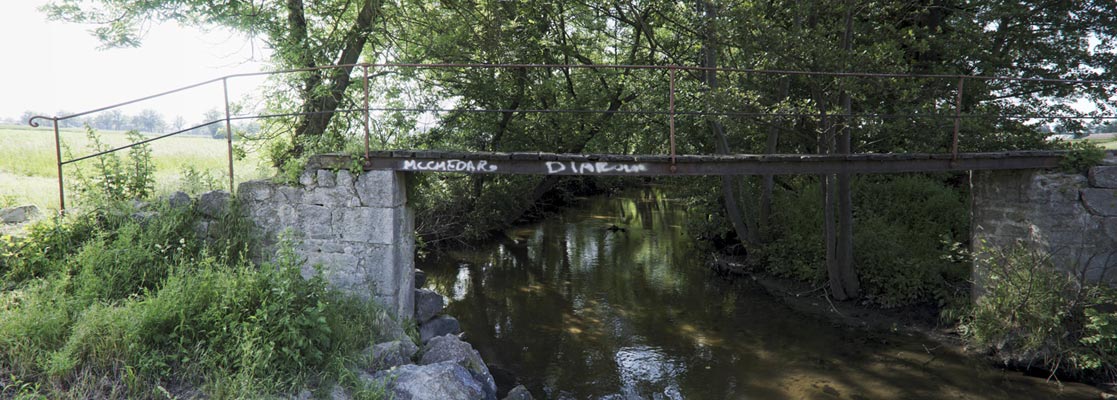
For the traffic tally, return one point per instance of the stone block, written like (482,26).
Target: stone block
(306,178)
(337,196)
(255,190)
(315,222)
(380,188)
(345,179)
(326,179)
(366,224)
(1103,177)
(1102,202)
(213,204)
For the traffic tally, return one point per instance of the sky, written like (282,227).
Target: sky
(50,66)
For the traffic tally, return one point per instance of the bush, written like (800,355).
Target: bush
(905,231)
(1033,314)
(1081,155)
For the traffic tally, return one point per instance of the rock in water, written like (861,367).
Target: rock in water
(450,348)
(428,304)
(518,393)
(442,381)
(440,325)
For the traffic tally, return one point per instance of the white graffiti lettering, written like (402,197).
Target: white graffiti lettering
(600,167)
(449,166)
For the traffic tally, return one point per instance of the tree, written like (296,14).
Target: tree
(321,33)
(149,121)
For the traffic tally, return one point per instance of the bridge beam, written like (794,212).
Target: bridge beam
(690,165)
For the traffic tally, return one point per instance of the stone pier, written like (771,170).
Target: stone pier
(1071,216)
(357,228)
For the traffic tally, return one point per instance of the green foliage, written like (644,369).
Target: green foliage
(904,234)
(1033,313)
(195,181)
(1080,156)
(114,179)
(141,302)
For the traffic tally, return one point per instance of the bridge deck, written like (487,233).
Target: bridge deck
(659,165)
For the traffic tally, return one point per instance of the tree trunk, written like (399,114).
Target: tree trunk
(709,77)
(767,183)
(847,273)
(319,108)
(829,231)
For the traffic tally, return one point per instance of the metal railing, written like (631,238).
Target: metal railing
(671,113)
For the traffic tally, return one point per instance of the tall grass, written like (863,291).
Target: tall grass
(112,301)
(28,173)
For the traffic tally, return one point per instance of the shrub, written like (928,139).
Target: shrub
(1080,156)
(905,228)
(1033,314)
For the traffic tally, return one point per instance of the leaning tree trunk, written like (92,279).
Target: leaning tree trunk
(319,106)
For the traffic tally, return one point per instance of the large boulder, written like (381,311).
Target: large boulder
(18,215)
(440,325)
(428,304)
(442,381)
(392,354)
(450,348)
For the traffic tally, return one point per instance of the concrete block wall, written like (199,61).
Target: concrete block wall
(358,228)
(1072,216)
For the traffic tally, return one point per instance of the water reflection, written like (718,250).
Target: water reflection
(577,310)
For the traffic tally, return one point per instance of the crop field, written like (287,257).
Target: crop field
(28,174)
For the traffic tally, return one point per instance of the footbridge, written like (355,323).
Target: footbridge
(358,224)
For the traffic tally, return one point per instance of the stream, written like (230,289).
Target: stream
(576,310)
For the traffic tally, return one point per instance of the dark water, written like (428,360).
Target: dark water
(577,311)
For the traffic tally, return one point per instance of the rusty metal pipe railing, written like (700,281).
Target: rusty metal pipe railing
(671,113)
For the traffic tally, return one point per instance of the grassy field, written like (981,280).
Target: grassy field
(1107,141)
(28,174)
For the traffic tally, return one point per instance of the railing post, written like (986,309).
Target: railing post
(671,113)
(957,120)
(58,161)
(228,133)
(365,68)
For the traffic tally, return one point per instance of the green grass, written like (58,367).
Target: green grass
(28,170)
(1108,143)
(101,305)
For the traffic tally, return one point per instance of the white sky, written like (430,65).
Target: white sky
(54,66)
